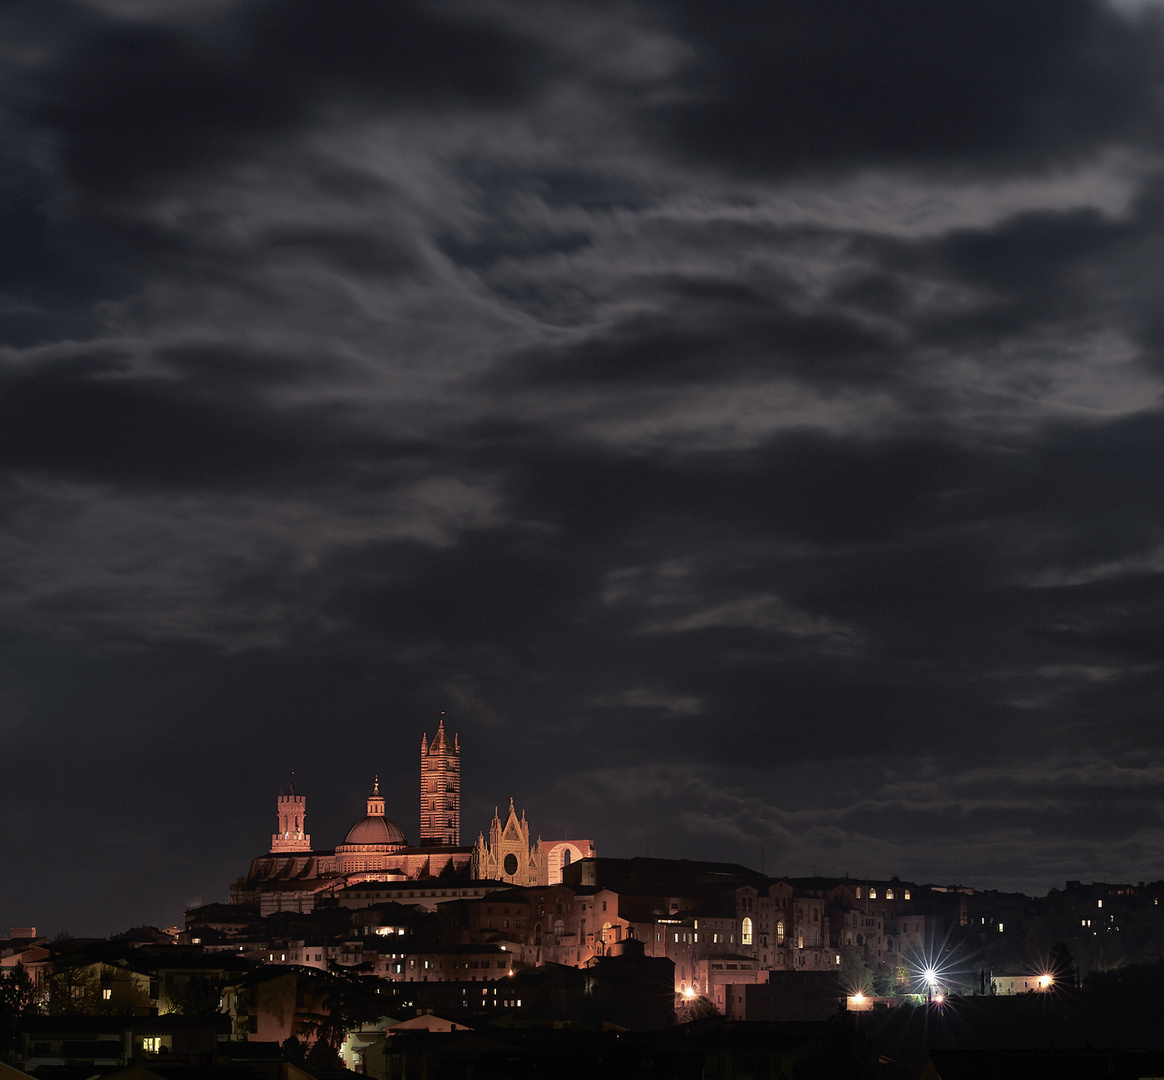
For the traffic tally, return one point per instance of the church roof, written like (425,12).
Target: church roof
(375,829)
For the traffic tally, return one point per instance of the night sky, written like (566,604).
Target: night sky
(742,421)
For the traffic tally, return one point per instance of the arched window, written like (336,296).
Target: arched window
(780,933)
(746,932)
(858,892)
(888,894)
(566,855)
(872,894)
(907,894)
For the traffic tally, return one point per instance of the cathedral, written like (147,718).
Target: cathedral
(292,875)
(509,855)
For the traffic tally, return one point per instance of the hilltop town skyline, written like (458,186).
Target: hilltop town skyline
(90,914)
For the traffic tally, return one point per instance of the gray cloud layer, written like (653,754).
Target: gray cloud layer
(745,425)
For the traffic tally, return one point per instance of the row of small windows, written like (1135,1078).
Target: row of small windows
(888,893)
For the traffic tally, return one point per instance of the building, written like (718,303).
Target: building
(511,856)
(440,790)
(508,855)
(292,876)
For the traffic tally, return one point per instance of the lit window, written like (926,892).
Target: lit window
(106,993)
(780,933)
(746,932)
(1100,903)
(888,894)
(872,894)
(907,894)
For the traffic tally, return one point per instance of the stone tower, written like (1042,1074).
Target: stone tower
(292,810)
(440,790)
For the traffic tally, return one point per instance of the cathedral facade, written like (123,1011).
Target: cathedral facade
(510,855)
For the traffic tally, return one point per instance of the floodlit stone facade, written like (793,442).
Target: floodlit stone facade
(292,877)
(440,790)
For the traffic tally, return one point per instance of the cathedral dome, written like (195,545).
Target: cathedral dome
(375,829)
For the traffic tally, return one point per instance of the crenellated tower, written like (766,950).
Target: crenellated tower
(440,790)
(292,835)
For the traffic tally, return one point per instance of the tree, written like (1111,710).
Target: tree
(73,986)
(321,1057)
(293,1050)
(1062,965)
(843,1053)
(198,997)
(17,1000)
(855,975)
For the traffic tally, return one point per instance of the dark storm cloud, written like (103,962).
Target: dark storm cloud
(134,103)
(366,361)
(96,419)
(707,332)
(782,87)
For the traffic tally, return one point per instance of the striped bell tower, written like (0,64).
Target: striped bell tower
(440,790)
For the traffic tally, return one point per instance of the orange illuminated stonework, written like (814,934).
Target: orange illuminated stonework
(440,789)
(292,812)
(509,854)
(292,876)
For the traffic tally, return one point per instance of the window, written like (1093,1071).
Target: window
(872,894)
(907,894)
(152,1044)
(746,932)
(888,894)
(780,933)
